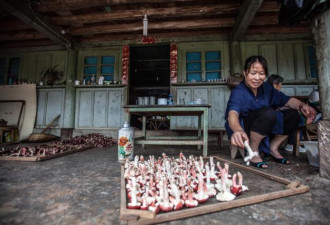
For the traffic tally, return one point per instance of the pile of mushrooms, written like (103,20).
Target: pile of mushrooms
(79,142)
(166,184)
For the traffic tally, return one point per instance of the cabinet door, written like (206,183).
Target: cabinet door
(203,94)
(304,91)
(178,122)
(41,108)
(55,103)
(115,111)
(50,104)
(290,91)
(218,102)
(100,106)
(84,114)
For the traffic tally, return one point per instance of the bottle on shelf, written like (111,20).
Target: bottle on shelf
(170,99)
(93,79)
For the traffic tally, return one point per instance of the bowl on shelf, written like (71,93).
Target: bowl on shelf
(107,82)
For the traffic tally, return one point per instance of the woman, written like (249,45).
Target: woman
(251,113)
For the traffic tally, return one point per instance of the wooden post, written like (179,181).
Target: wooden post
(320,29)
(70,92)
(235,57)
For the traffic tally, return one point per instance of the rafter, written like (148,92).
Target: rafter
(246,14)
(131,27)
(28,16)
(158,13)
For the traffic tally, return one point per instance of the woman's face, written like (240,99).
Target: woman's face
(255,77)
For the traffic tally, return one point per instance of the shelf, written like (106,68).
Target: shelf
(151,88)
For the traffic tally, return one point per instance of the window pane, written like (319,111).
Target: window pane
(194,76)
(193,56)
(312,62)
(90,70)
(313,73)
(108,78)
(90,60)
(311,51)
(214,75)
(107,69)
(212,55)
(108,59)
(13,66)
(212,66)
(194,66)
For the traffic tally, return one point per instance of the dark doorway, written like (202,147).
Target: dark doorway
(149,74)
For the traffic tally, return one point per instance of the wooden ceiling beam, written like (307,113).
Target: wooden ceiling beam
(119,37)
(19,9)
(51,5)
(218,9)
(132,27)
(246,14)
(16,36)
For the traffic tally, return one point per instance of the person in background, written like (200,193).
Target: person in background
(314,101)
(277,81)
(251,113)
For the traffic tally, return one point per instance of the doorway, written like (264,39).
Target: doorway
(149,74)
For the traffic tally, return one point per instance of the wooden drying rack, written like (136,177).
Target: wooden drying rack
(132,216)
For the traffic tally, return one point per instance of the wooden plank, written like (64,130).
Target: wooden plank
(119,15)
(130,214)
(19,10)
(42,158)
(292,188)
(170,142)
(129,27)
(11,158)
(200,210)
(258,172)
(246,14)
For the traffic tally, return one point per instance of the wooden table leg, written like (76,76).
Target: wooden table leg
(205,131)
(144,125)
(199,130)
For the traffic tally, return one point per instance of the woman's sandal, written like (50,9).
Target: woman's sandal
(278,160)
(259,164)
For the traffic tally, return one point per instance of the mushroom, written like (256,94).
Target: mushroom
(190,202)
(235,189)
(133,204)
(201,196)
(224,195)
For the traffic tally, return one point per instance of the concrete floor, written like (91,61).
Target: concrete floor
(84,188)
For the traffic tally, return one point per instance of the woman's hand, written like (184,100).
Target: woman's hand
(309,112)
(238,138)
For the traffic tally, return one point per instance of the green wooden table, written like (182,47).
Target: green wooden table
(202,111)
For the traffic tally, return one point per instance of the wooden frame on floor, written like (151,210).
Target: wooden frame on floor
(131,216)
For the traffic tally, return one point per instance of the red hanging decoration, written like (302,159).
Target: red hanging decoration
(174,63)
(125,64)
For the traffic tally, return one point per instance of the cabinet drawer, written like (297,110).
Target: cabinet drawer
(304,91)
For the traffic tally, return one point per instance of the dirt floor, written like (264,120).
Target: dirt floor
(84,188)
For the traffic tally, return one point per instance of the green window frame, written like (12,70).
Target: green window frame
(9,70)
(203,65)
(99,65)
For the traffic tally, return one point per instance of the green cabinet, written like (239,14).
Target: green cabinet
(215,95)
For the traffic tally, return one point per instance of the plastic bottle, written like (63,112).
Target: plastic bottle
(93,79)
(170,99)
